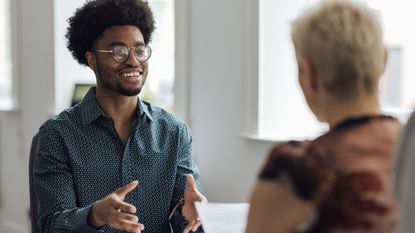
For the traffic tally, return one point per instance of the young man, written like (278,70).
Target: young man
(341,181)
(114,162)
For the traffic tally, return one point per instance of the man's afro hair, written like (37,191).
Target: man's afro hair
(89,21)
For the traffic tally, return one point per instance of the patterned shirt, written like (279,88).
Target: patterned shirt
(345,173)
(81,159)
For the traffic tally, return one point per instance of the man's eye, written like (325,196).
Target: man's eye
(120,53)
(119,50)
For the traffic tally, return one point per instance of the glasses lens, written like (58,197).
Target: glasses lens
(120,53)
(142,53)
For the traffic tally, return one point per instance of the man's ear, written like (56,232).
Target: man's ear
(90,58)
(309,73)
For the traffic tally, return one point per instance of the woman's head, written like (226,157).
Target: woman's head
(343,44)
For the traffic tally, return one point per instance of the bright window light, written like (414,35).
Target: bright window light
(283,113)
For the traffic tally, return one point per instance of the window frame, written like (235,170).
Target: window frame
(252,101)
(14,51)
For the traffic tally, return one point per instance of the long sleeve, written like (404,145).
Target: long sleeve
(81,159)
(185,166)
(58,210)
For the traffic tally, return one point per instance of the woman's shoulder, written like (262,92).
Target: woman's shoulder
(283,157)
(307,168)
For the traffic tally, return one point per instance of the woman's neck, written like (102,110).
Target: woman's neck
(336,113)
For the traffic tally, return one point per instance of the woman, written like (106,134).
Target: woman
(341,181)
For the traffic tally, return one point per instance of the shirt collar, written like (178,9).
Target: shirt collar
(91,111)
(144,108)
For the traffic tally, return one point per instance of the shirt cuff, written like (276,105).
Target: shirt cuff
(76,220)
(177,207)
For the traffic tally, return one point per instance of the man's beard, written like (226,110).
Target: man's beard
(123,91)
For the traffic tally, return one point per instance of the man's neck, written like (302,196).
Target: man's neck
(122,109)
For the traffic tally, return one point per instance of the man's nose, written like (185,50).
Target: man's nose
(131,59)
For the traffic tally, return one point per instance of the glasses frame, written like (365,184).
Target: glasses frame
(129,52)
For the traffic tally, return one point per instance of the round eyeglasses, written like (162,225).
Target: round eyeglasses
(120,53)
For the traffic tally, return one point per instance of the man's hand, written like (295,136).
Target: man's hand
(191,195)
(114,212)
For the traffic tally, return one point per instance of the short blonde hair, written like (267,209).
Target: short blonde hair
(344,42)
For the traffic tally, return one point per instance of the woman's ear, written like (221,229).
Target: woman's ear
(309,74)
(90,58)
(385,60)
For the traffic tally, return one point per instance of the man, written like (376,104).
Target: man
(341,181)
(113,162)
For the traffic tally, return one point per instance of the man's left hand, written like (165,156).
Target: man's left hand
(191,195)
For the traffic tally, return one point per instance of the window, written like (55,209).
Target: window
(159,85)
(159,88)
(283,113)
(6,76)
(397,95)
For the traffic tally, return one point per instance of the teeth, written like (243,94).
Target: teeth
(131,74)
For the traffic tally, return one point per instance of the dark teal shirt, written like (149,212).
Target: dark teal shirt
(81,159)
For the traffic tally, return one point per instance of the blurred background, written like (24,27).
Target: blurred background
(227,68)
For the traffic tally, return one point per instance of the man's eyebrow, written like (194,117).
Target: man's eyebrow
(117,43)
(139,43)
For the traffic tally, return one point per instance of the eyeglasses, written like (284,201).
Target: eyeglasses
(120,53)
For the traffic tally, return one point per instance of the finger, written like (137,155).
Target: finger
(125,217)
(191,182)
(187,229)
(141,227)
(129,217)
(129,226)
(202,198)
(196,196)
(124,190)
(191,186)
(125,207)
(196,225)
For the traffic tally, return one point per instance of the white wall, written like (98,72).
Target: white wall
(34,72)
(218,72)
(220,32)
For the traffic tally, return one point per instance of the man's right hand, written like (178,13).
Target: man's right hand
(114,212)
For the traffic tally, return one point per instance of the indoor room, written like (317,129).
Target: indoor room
(226,68)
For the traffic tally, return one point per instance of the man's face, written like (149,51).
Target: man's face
(124,78)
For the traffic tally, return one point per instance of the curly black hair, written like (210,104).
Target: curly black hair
(90,21)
